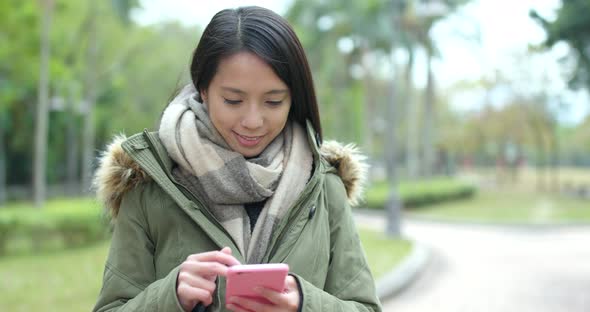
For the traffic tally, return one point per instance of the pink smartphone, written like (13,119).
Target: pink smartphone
(241,279)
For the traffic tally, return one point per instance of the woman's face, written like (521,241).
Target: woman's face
(247,103)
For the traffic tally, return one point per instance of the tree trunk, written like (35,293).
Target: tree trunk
(428,133)
(412,142)
(90,88)
(555,160)
(41,124)
(394,202)
(2,167)
(369,105)
(72,149)
(541,161)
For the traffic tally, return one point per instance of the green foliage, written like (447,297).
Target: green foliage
(65,223)
(572,25)
(137,70)
(419,193)
(320,27)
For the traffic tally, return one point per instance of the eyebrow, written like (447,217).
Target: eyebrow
(274,91)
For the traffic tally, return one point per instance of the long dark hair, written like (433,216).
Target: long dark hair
(270,37)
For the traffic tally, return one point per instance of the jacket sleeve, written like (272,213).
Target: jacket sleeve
(349,282)
(129,282)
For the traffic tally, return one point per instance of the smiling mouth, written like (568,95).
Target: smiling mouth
(248,141)
(250,138)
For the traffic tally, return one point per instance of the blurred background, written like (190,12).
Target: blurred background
(473,111)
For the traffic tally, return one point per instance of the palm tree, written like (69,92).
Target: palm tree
(418,20)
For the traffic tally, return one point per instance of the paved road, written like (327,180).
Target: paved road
(480,269)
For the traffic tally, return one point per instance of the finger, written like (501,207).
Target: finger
(271,295)
(215,256)
(186,291)
(236,308)
(208,270)
(196,281)
(291,283)
(246,304)
(287,299)
(226,250)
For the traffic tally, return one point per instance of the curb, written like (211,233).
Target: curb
(516,226)
(405,273)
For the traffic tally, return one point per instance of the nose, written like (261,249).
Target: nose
(253,117)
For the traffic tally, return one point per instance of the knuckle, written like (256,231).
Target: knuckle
(209,286)
(183,275)
(213,268)
(183,289)
(185,266)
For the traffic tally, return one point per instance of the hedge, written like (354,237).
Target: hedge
(419,193)
(63,223)
(72,222)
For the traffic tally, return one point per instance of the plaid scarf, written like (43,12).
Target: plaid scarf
(225,180)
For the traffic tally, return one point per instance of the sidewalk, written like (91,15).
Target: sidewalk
(407,271)
(476,268)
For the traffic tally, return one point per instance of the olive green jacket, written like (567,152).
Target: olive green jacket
(158,223)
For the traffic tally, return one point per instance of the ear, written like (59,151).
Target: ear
(204,97)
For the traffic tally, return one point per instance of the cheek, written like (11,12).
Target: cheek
(282,116)
(220,117)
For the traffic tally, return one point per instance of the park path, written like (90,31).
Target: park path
(475,268)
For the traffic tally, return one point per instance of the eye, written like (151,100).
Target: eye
(274,103)
(231,102)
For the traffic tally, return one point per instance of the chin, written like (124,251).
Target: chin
(248,154)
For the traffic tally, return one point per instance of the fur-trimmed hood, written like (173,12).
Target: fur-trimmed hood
(118,173)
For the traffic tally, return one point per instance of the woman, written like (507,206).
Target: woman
(236,173)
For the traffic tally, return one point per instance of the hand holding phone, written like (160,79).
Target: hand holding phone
(196,278)
(242,279)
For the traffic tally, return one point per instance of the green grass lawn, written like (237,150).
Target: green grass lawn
(509,206)
(383,253)
(70,280)
(61,281)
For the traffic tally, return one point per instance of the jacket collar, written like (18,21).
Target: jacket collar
(129,162)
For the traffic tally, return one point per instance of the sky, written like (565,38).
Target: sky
(197,12)
(503,27)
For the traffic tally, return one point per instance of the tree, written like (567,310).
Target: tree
(138,69)
(418,20)
(41,125)
(572,26)
(90,87)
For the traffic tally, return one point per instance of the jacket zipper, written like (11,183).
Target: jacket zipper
(304,198)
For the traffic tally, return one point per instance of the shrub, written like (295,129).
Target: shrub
(62,223)
(419,193)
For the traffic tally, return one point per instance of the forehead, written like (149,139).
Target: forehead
(247,72)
